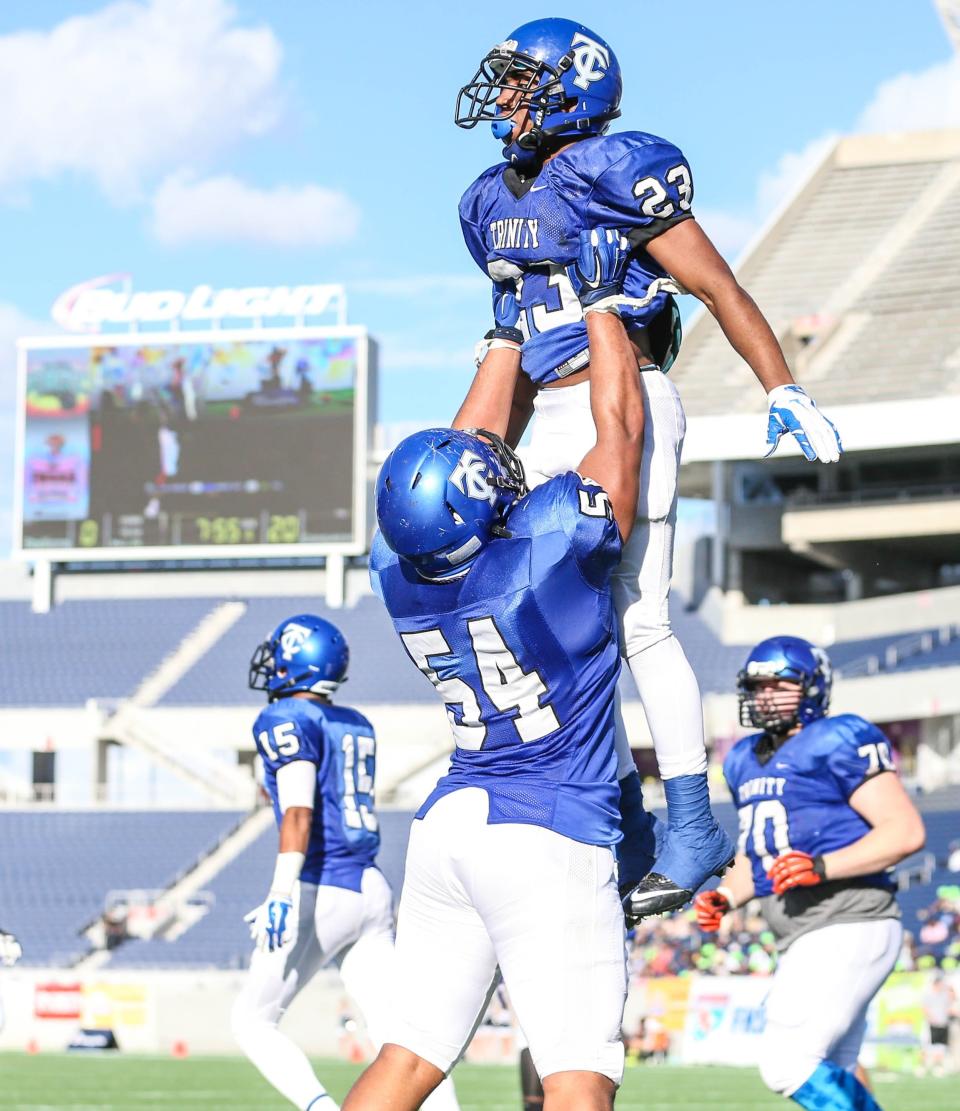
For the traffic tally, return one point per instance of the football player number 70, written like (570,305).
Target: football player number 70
(504,682)
(756,820)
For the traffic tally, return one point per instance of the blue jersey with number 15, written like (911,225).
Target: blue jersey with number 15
(341,743)
(523,650)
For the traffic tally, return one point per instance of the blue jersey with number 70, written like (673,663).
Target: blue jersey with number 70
(797,797)
(341,743)
(523,650)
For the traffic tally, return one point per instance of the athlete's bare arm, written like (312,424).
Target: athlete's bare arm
(616,401)
(295,829)
(897,830)
(686,253)
(489,402)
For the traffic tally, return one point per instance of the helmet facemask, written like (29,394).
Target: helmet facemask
(770,707)
(532,83)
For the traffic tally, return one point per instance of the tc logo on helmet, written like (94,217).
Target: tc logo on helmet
(293,638)
(470,478)
(590,59)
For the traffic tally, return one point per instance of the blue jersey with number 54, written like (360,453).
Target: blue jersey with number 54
(798,797)
(523,650)
(632,181)
(341,744)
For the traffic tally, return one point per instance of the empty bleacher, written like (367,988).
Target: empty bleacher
(879,277)
(103,649)
(96,648)
(58,866)
(380,670)
(221,939)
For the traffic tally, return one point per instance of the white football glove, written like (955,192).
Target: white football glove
(791,410)
(10,949)
(273,924)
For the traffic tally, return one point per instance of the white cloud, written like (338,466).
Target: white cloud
(396,356)
(916,101)
(226,210)
(132,89)
(907,102)
(728,231)
(776,186)
(422,285)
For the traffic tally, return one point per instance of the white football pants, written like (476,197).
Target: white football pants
(561,435)
(538,905)
(354,929)
(817,1007)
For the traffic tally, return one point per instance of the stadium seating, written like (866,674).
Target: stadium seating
(143,631)
(223,677)
(86,649)
(58,866)
(899,312)
(220,939)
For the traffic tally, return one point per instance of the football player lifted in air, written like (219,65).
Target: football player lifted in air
(502,600)
(823,817)
(550,92)
(328,902)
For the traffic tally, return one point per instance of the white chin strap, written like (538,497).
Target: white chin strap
(325,686)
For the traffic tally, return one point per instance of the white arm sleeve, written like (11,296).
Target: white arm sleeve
(296,784)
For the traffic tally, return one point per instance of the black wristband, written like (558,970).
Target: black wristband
(819,867)
(514,335)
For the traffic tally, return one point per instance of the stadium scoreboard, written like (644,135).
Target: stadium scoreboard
(180,445)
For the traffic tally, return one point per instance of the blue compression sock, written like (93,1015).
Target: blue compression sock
(831,1088)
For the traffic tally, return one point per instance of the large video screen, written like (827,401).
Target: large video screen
(173,446)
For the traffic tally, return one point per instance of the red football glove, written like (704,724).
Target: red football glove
(795,869)
(710,907)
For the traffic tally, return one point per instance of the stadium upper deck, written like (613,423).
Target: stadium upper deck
(859,276)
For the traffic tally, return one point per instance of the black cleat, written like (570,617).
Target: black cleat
(654,894)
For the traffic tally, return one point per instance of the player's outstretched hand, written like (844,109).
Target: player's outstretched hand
(273,924)
(710,907)
(600,269)
(10,949)
(791,410)
(796,869)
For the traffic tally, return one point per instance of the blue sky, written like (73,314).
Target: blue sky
(285,142)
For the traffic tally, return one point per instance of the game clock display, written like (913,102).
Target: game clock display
(233,443)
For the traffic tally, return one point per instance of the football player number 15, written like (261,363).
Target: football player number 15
(504,682)
(358,755)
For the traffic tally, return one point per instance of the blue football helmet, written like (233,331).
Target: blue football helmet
(795,660)
(303,653)
(564,73)
(442,495)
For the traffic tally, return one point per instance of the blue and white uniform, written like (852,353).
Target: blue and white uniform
(344,906)
(636,182)
(642,185)
(522,650)
(839,940)
(341,743)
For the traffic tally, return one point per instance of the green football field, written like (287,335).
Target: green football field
(59,1082)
